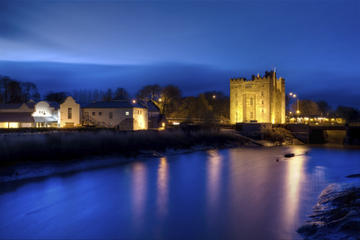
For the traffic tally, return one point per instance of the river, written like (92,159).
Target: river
(241,193)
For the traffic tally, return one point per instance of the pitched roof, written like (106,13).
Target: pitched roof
(113,104)
(10,106)
(16,117)
(15,106)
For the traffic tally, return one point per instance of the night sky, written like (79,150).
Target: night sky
(197,45)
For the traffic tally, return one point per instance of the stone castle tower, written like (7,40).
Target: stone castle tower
(261,99)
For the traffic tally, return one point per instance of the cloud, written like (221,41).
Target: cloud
(15,19)
(192,79)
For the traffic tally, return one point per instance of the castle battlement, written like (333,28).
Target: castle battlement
(259,99)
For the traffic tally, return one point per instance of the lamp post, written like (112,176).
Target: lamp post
(293,95)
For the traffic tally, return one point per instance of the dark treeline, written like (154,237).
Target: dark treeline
(206,106)
(13,91)
(169,99)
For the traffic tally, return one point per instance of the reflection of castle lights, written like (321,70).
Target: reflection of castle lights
(138,191)
(213,177)
(294,177)
(162,187)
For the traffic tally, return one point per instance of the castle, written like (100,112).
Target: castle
(261,99)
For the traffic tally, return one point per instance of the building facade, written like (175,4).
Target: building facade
(17,115)
(69,113)
(46,114)
(261,99)
(116,114)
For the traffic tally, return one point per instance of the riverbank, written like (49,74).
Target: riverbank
(336,215)
(18,149)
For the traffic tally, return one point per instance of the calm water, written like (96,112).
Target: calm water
(236,193)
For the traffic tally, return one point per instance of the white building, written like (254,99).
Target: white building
(69,113)
(46,114)
(116,114)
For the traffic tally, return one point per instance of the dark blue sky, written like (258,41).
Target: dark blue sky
(197,45)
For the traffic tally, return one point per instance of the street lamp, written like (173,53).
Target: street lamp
(159,99)
(133,101)
(293,95)
(214,96)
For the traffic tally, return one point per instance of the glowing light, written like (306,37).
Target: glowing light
(290,112)
(160,100)
(294,96)
(13,125)
(291,94)
(297,111)
(133,101)
(176,123)
(163,124)
(214,96)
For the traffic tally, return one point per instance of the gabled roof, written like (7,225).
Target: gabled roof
(14,106)
(10,106)
(113,104)
(16,117)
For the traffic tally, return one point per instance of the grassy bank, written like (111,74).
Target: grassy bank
(81,144)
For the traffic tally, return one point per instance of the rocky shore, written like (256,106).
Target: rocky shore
(336,215)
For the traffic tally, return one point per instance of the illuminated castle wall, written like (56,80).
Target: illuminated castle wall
(261,99)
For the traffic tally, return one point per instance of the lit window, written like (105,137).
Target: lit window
(69,113)
(127,113)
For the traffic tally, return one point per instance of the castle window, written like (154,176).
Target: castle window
(93,113)
(251,101)
(100,113)
(262,93)
(110,115)
(262,102)
(251,114)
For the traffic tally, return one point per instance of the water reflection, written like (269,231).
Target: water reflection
(138,191)
(295,174)
(240,193)
(213,179)
(162,187)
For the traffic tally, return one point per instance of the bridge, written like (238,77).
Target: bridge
(318,134)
